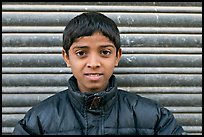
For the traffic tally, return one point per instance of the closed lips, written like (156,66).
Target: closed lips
(93,74)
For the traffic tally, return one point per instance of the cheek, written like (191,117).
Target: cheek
(74,61)
(76,65)
(110,64)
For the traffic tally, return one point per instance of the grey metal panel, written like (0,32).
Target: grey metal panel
(164,90)
(176,99)
(125,50)
(59,29)
(193,130)
(127,60)
(161,60)
(10,120)
(161,40)
(22,100)
(113,8)
(117,70)
(127,40)
(36,89)
(121,19)
(189,119)
(27,100)
(179,4)
(140,90)
(133,80)
(162,54)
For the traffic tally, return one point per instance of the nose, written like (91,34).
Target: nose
(93,62)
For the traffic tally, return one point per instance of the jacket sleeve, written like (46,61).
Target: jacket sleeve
(167,124)
(29,125)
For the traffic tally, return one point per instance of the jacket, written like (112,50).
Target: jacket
(110,112)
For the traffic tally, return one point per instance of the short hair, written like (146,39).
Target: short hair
(88,23)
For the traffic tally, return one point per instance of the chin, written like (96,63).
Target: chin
(94,89)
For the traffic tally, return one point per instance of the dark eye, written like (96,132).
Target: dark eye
(105,52)
(80,53)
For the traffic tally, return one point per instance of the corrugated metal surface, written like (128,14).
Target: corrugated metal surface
(162,54)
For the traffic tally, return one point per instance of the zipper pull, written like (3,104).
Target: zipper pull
(95,103)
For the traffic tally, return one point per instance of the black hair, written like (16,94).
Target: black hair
(88,23)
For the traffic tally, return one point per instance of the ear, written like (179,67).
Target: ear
(119,54)
(66,58)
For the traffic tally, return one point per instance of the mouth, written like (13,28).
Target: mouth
(93,76)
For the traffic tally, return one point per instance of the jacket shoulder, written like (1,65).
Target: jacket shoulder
(47,107)
(51,101)
(150,115)
(136,99)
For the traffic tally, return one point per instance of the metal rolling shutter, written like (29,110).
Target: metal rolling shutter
(162,54)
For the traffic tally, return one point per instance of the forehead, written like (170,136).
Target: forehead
(95,36)
(97,40)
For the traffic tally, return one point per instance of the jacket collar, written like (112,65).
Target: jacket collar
(92,101)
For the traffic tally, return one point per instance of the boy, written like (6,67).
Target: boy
(92,104)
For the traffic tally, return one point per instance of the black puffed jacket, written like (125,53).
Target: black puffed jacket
(112,112)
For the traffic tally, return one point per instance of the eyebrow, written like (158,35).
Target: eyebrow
(84,47)
(80,47)
(104,46)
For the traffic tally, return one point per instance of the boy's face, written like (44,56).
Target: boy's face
(92,60)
